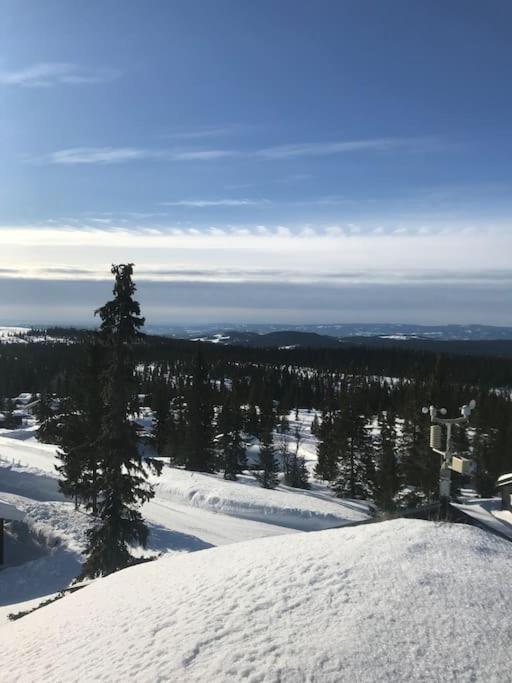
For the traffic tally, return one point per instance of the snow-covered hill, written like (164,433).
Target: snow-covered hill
(395,601)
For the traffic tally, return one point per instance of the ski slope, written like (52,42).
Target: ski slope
(406,600)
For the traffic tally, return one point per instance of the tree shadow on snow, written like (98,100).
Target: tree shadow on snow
(29,485)
(163,540)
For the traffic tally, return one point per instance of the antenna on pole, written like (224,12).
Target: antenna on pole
(449,462)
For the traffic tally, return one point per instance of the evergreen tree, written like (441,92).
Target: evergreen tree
(43,409)
(387,475)
(356,475)
(232,450)
(296,473)
(124,475)
(267,465)
(198,446)
(162,418)
(331,438)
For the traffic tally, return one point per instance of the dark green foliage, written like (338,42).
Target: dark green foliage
(79,427)
(295,470)
(199,452)
(331,437)
(162,427)
(267,466)
(387,477)
(231,447)
(124,475)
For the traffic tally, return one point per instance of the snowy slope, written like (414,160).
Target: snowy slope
(304,510)
(189,512)
(397,601)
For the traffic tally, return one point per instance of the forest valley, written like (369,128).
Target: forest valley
(209,402)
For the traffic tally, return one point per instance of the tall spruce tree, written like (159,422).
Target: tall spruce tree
(124,483)
(331,439)
(231,448)
(268,467)
(387,475)
(198,446)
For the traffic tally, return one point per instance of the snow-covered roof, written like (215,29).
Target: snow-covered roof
(375,602)
(504,479)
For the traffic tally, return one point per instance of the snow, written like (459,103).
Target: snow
(246,499)
(190,512)
(406,600)
(8,511)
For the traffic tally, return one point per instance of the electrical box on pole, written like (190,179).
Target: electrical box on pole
(435,437)
(463,466)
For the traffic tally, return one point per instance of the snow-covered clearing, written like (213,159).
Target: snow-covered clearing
(397,601)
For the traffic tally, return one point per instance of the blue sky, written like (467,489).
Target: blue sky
(272,161)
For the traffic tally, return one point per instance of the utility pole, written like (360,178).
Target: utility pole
(449,462)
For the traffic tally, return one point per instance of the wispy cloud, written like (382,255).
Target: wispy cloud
(114,155)
(314,149)
(47,74)
(204,203)
(95,155)
(92,155)
(199,154)
(205,132)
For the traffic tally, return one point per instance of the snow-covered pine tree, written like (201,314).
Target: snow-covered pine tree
(124,484)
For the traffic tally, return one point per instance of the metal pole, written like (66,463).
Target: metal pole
(446,455)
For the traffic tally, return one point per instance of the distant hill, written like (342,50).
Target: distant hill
(392,331)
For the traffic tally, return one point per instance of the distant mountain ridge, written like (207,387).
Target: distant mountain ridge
(244,333)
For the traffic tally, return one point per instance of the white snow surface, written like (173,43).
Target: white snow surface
(406,600)
(189,512)
(305,510)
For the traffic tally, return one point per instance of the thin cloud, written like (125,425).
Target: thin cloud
(95,155)
(48,74)
(200,154)
(206,203)
(90,155)
(315,149)
(205,132)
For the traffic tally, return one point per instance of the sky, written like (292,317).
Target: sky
(279,161)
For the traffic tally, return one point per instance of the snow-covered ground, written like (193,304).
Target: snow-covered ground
(406,600)
(190,512)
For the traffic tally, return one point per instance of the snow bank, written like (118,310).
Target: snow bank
(287,507)
(406,600)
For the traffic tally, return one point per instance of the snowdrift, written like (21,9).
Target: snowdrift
(304,510)
(397,601)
